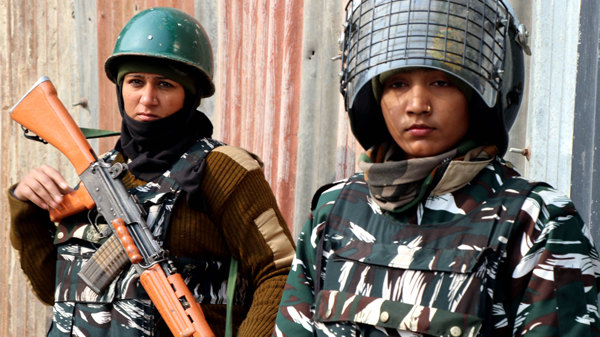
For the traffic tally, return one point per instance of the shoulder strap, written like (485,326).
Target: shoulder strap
(315,199)
(317,195)
(195,154)
(520,188)
(233,267)
(98,133)
(193,160)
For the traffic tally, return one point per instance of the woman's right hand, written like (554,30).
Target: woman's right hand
(43,186)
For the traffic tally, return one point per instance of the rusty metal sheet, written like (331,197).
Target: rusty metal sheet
(325,144)
(69,42)
(257,47)
(276,95)
(258,82)
(37,38)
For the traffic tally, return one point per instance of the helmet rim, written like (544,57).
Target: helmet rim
(113,60)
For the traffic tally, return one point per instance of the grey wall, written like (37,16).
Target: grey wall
(320,102)
(518,133)
(553,75)
(585,190)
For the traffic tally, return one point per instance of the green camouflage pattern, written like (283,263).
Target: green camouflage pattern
(376,313)
(495,258)
(124,309)
(130,317)
(450,266)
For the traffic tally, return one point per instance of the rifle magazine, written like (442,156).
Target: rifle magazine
(108,261)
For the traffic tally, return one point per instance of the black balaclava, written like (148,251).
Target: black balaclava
(153,147)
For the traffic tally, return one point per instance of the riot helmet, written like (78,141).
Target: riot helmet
(164,35)
(478,42)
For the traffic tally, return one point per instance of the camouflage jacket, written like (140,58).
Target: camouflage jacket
(413,274)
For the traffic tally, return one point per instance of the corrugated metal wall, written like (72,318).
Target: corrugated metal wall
(277,95)
(258,46)
(552,106)
(585,176)
(258,82)
(326,146)
(38,38)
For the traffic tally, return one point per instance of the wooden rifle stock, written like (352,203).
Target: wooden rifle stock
(155,282)
(43,113)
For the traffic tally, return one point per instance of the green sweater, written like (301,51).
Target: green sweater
(247,224)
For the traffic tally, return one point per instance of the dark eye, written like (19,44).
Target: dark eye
(134,82)
(165,84)
(442,83)
(397,84)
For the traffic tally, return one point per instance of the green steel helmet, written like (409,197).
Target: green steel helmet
(479,42)
(169,34)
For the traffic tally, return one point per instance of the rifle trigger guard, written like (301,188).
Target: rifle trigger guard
(34,137)
(100,234)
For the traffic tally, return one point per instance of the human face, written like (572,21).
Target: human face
(424,112)
(149,97)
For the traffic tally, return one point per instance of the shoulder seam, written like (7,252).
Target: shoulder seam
(240,156)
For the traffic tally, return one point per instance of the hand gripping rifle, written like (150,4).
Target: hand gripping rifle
(41,112)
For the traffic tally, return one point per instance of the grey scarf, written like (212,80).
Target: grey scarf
(396,185)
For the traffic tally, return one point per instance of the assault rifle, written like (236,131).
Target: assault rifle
(41,112)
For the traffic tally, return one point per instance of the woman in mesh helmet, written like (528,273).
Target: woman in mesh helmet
(439,236)
(209,204)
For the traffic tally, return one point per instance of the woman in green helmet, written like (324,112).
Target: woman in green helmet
(438,236)
(209,204)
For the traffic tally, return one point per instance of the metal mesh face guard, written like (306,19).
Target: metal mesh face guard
(466,38)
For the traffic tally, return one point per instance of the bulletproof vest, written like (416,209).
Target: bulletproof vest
(124,309)
(379,275)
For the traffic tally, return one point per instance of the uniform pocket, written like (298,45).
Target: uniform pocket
(451,280)
(123,318)
(573,319)
(338,307)
(415,258)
